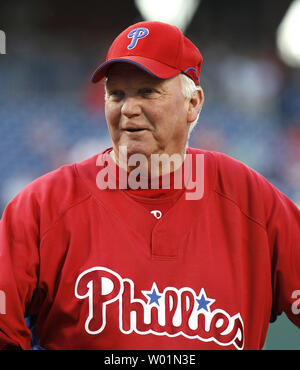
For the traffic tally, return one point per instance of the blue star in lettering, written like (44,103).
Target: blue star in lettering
(204,302)
(152,295)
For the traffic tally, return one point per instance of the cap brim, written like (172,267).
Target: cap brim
(150,66)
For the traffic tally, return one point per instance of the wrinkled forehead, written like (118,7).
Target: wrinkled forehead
(127,72)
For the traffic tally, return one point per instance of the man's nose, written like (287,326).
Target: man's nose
(131,107)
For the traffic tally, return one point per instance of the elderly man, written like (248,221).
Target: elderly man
(106,254)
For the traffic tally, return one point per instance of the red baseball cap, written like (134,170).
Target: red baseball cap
(158,48)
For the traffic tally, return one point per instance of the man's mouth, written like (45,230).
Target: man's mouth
(134,129)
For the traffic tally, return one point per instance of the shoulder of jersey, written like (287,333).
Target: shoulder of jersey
(236,182)
(50,195)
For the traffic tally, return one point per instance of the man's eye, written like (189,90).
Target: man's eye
(148,92)
(117,94)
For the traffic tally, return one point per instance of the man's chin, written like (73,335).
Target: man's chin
(135,149)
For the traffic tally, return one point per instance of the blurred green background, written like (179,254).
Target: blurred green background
(282,335)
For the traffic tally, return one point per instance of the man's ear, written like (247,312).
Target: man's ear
(195,105)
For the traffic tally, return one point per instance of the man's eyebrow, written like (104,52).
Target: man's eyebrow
(110,82)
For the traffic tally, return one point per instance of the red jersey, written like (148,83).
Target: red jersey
(116,269)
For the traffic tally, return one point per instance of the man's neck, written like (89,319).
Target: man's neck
(155,166)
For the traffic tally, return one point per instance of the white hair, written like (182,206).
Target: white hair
(189,88)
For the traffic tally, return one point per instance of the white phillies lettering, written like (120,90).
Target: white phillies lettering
(172,312)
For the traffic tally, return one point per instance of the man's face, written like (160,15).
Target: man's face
(145,114)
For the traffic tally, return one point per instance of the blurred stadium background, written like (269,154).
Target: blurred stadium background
(51,115)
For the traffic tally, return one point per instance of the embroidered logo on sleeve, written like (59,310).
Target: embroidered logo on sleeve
(170,312)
